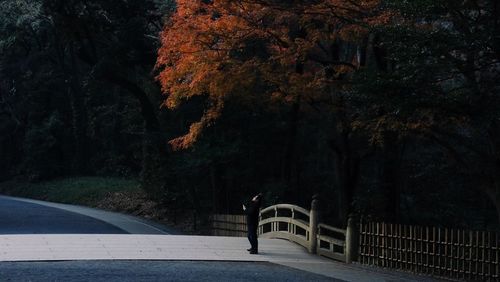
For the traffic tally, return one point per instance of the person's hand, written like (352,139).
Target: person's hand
(256,198)
(244,208)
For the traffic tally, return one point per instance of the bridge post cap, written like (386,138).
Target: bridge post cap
(315,202)
(353,215)
(352,218)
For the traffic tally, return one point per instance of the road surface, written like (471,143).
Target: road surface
(19,217)
(118,271)
(25,216)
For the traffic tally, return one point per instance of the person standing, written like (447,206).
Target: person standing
(252,212)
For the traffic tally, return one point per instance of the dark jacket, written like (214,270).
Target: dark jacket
(252,212)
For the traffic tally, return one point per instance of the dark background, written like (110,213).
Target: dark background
(78,97)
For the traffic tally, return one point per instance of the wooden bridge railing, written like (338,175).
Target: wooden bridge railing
(285,221)
(329,243)
(301,226)
(293,223)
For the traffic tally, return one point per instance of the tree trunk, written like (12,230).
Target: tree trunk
(215,190)
(80,118)
(347,186)
(154,149)
(154,164)
(497,206)
(290,152)
(347,165)
(79,129)
(493,193)
(148,111)
(389,178)
(496,25)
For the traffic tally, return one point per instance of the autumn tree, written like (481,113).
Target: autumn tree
(301,54)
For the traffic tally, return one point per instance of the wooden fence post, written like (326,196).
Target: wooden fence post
(351,240)
(313,224)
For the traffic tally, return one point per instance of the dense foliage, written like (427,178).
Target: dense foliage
(386,108)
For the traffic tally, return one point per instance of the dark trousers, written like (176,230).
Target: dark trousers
(252,237)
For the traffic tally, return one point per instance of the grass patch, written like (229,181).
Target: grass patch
(87,191)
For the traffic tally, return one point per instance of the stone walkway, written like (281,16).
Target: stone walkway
(15,248)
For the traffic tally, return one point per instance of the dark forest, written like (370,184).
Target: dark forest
(386,109)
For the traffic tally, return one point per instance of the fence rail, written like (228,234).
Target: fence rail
(461,254)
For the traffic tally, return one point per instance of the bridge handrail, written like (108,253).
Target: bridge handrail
(317,237)
(297,222)
(330,245)
(285,206)
(275,224)
(331,228)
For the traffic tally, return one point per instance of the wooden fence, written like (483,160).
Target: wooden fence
(229,225)
(460,254)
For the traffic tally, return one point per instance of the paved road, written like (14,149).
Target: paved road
(20,217)
(26,216)
(111,271)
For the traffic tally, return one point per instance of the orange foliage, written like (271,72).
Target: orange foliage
(214,47)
